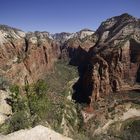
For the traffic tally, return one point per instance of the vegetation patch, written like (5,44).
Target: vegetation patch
(44,102)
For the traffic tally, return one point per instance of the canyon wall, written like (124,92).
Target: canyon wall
(114,61)
(26,56)
(107,60)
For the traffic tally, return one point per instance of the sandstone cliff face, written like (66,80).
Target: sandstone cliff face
(43,51)
(25,56)
(115,59)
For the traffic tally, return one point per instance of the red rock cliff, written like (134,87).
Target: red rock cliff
(29,55)
(115,59)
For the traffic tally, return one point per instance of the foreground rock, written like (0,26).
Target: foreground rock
(36,133)
(5,109)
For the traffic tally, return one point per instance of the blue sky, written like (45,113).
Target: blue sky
(63,15)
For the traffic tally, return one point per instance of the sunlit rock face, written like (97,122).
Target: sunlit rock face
(26,55)
(65,36)
(114,60)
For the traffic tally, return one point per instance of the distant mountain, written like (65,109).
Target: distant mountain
(64,36)
(84,33)
(7,33)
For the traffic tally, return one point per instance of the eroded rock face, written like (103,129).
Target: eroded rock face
(29,55)
(114,60)
(43,51)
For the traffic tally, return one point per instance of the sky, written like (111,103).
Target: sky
(63,15)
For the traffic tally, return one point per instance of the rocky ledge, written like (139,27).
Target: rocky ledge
(36,133)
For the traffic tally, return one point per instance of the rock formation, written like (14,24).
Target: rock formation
(24,55)
(74,46)
(31,55)
(36,133)
(107,59)
(75,49)
(65,36)
(114,60)
(5,109)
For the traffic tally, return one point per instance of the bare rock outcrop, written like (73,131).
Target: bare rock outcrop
(115,57)
(120,49)
(5,109)
(114,60)
(36,133)
(29,55)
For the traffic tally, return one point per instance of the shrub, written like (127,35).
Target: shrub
(15,91)
(18,121)
(39,106)
(40,87)
(44,101)
(62,74)
(3,83)
(14,97)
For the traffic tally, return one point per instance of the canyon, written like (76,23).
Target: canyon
(107,61)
